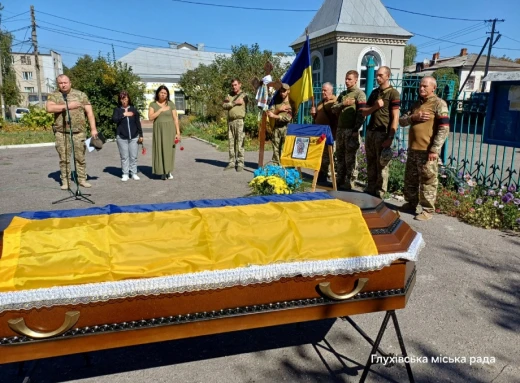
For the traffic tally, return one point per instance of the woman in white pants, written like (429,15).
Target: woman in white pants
(129,135)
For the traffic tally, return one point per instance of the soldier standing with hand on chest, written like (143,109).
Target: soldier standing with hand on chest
(383,106)
(79,106)
(350,122)
(235,104)
(429,124)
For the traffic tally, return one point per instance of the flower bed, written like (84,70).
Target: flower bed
(463,198)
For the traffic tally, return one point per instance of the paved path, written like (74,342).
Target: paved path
(466,301)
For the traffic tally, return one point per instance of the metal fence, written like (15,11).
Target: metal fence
(465,152)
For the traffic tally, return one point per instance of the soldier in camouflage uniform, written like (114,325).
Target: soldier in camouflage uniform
(282,114)
(383,106)
(235,104)
(79,106)
(348,106)
(429,126)
(323,115)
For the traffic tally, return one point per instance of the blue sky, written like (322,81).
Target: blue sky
(220,28)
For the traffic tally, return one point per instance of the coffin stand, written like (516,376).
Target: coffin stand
(54,330)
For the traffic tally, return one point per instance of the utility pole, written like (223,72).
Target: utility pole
(36,58)
(492,42)
(2,106)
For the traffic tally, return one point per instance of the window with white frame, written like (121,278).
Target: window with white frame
(25,60)
(29,89)
(470,84)
(27,75)
(180,102)
(364,71)
(316,71)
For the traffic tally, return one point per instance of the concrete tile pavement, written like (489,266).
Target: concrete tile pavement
(466,301)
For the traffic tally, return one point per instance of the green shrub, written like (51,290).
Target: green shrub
(251,125)
(37,119)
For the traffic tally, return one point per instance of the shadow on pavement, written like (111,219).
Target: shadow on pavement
(223,164)
(134,358)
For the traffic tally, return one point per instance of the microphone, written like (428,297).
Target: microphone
(64,96)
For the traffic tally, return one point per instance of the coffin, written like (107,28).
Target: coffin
(38,322)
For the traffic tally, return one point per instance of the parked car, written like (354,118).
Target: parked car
(19,112)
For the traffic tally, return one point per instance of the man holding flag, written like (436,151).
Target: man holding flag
(296,87)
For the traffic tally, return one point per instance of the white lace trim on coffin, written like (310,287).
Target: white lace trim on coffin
(206,280)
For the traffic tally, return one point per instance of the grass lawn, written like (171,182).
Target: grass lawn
(19,138)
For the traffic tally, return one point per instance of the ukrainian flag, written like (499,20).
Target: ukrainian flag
(299,76)
(115,243)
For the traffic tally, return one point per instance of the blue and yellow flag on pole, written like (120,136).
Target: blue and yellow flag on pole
(299,76)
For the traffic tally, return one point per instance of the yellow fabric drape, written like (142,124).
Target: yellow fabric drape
(314,153)
(101,248)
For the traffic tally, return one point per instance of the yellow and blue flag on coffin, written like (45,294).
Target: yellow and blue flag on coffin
(114,243)
(299,76)
(304,145)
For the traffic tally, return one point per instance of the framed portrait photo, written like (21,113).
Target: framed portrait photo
(301,148)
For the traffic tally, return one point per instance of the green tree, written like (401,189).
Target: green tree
(207,85)
(410,53)
(102,80)
(9,88)
(447,74)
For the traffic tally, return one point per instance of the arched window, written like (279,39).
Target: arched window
(316,71)
(363,69)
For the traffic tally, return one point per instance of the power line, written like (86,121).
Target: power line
(246,8)
(458,33)
(18,30)
(451,46)
(12,17)
(27,30)
(426,15)
(314,10)
(62,32)
(114,30)
(507,37)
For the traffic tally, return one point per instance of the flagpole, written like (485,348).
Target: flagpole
(313,105)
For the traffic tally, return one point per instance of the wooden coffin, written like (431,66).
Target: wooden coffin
(59,329)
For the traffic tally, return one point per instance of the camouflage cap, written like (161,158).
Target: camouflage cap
(285,86)
(386,156)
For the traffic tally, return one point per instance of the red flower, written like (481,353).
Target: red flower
(143,152)
(182,147)
(322,137)
(176,140)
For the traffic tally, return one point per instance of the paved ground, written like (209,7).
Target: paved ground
(466,302)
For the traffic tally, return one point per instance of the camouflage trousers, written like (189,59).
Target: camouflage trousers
(346,151)
(420,180)
(279,134)
(377,174)
(63,147)
(236,142)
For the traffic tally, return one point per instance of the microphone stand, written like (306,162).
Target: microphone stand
(77,195)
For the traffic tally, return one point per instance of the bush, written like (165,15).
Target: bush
(251,124)
(396,172)
(37,119)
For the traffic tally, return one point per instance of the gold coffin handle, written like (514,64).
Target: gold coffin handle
(18,326)
(325,289)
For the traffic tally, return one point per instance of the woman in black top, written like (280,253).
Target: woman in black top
(129,135)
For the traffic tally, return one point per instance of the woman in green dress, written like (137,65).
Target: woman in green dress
(165,132)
